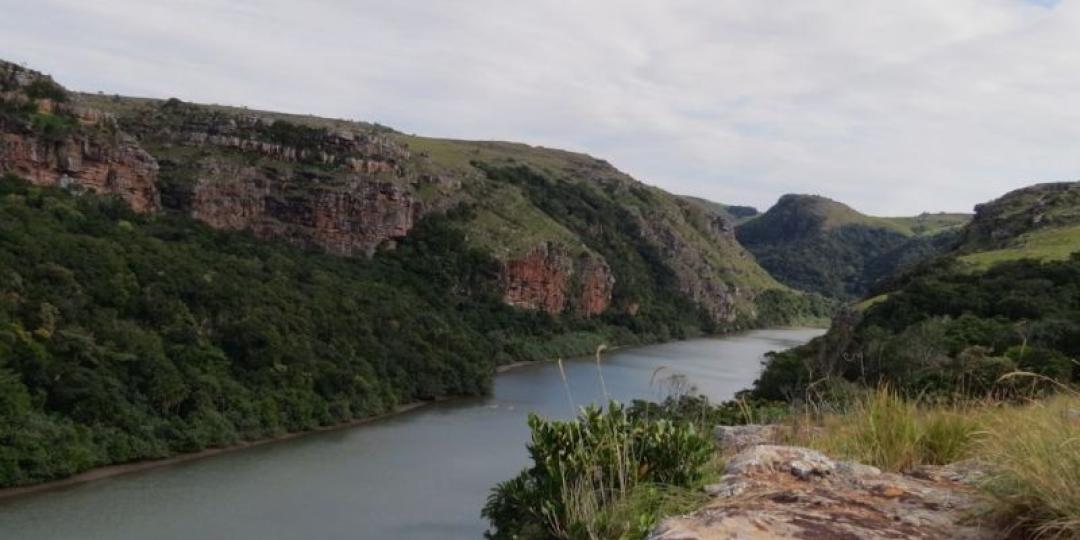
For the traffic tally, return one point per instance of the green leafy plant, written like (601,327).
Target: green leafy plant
(582,468)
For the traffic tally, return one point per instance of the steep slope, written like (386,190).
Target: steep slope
(557,220)
(175,277)
(1005,297)
(50,140)
(817,244)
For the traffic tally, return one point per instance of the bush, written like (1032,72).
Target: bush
(51,127)
(582,468)
(45,88)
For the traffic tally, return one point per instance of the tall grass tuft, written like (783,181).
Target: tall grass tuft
(1034,454)
(886,430)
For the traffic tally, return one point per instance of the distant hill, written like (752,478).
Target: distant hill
(1004,297)
(817,244)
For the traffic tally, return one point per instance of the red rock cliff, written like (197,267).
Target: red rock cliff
(343,191)
(548,278)
(353,219)
(48,141)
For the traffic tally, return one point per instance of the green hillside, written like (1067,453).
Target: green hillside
(816,244)
(1005,298)
(176,276)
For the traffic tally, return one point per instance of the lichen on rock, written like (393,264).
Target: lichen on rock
(770,492)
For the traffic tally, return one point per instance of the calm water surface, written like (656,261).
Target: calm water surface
(420,475)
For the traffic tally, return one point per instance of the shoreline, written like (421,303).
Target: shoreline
(109,471)
(505,368)
(120,469)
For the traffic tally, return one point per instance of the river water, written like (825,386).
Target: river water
(420,475)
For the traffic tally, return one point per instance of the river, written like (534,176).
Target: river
(420,475)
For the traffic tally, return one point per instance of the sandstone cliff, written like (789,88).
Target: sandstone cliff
(49,141)
(548,278)
(591,241)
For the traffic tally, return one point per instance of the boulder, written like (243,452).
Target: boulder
(733,439)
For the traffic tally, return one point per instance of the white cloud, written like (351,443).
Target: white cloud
(893,107)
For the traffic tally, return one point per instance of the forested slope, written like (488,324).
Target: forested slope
(176,276)
(1003,300)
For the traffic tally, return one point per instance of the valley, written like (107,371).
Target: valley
(177,279)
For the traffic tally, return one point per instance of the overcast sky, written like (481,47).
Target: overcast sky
(893,106)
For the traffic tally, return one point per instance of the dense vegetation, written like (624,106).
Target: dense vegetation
(125,337)
(816,244)
(949,329)
(969,355)
(583,471)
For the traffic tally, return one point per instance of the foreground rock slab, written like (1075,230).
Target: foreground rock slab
(772,492)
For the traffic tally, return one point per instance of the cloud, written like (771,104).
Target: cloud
(893,107)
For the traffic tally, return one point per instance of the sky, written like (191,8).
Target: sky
(894,107)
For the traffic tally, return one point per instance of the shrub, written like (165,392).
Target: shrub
(44,88)
(582,468)
(51,127)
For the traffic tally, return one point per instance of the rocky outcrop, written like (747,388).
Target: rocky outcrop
(350,150)
(351,219)
(772,492)
(49,142)
(733,439)
(345,191)
(79,162)
(1001,220)
(548,278)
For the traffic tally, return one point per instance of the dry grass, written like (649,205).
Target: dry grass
(887,431)
(1034,453)
(1031,451)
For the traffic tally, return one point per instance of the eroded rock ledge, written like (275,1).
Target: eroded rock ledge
(771,491)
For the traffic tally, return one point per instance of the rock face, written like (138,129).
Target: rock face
(49,142)
(116,167)
(772,492)
(350,220)
(548,278)
(349,188)
(717,297)
(342,191)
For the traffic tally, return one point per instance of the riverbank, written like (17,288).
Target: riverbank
(368,478)
(109,471)
(516,365)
